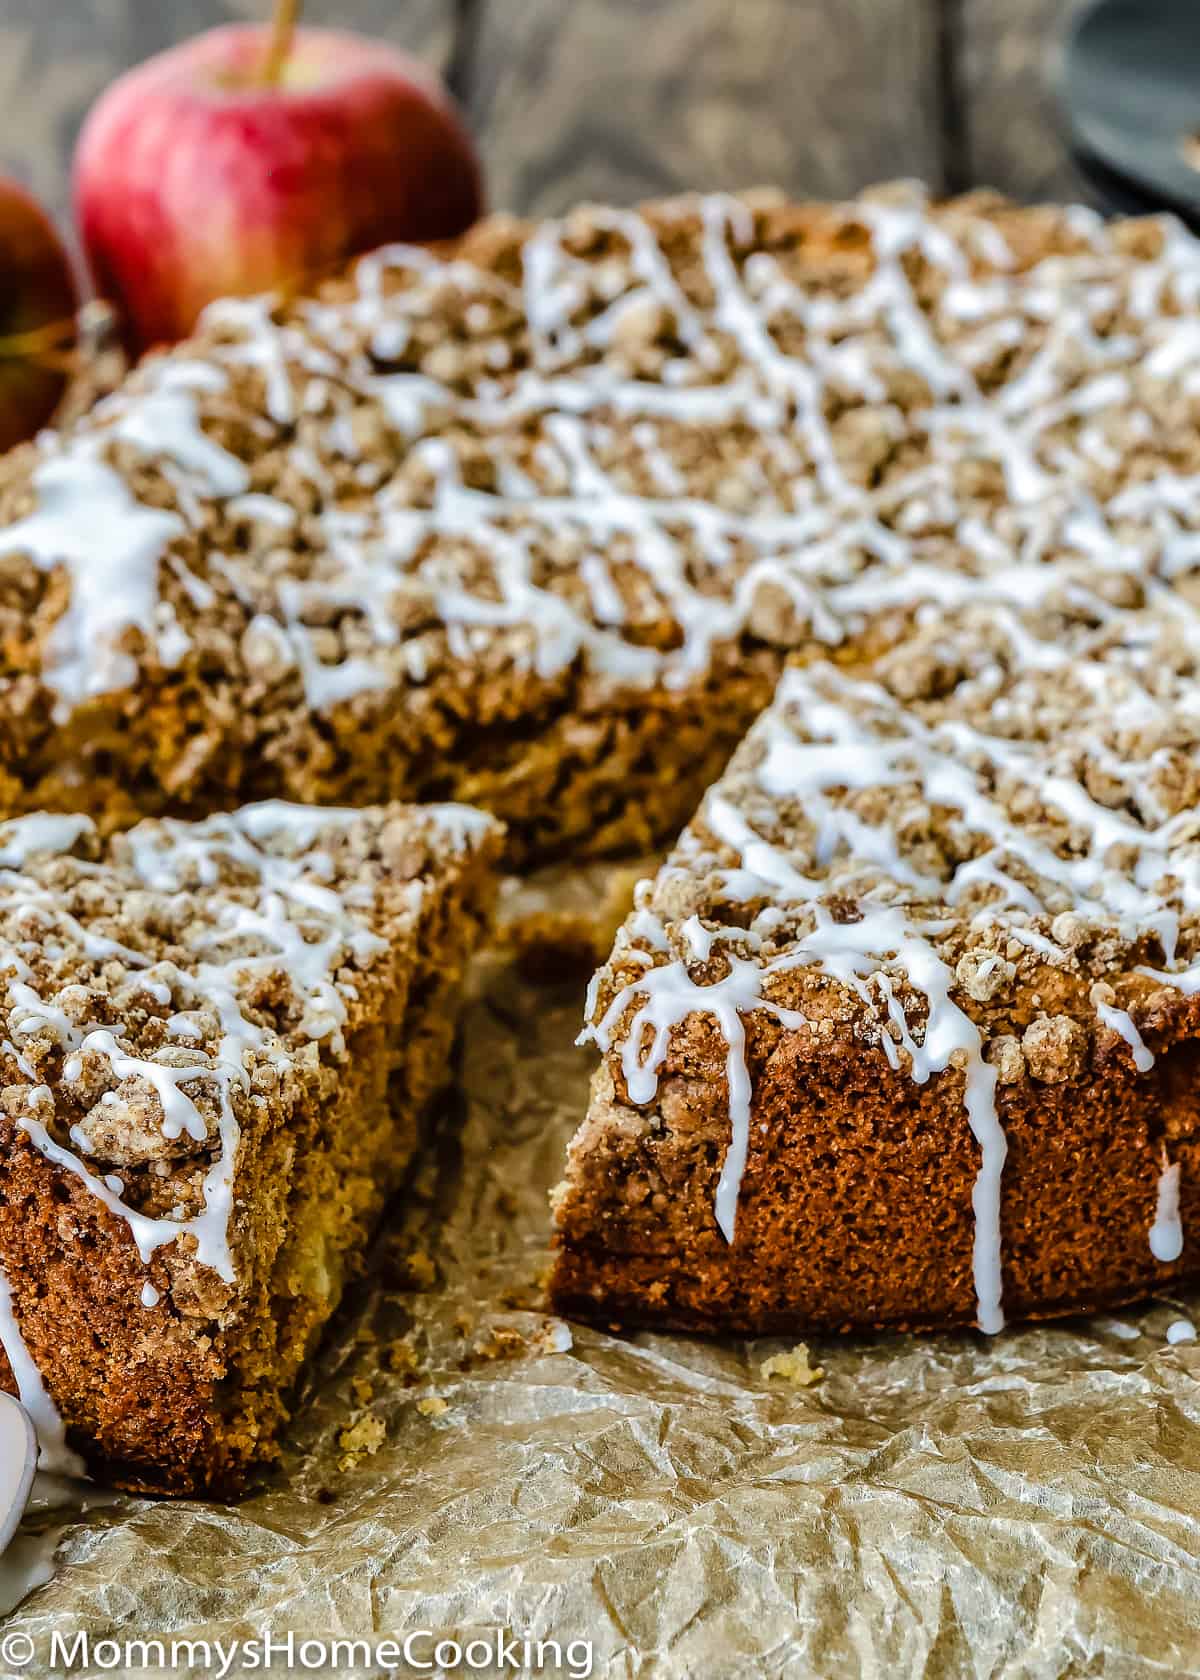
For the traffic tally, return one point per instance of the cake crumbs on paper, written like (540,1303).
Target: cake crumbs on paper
(502,1341)
(553,1337)
(433,1406)
(402,1356)
(421,1269)
(510,1341)
(360,1439)
(793,1366)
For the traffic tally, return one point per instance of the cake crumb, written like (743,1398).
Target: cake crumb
(1005,1054)
(500,1342)
(554,1337)
(402,1355)
(421,1269)
(360,1439)
(793,1366)
(433,1406)
(983,975)
(1055,1049)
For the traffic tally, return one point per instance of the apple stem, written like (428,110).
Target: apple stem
(283,29)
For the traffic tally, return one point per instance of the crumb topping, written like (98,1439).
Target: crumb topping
(625,439)
(794,1366)
(156,987)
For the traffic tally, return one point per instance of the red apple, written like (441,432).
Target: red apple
(38,301)
(211,170)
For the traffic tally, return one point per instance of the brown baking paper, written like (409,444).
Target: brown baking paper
(1027,1505)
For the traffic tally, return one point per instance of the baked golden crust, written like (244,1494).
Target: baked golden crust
(217,1042)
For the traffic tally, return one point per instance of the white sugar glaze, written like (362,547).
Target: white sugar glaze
(88,522)
(165,421)
(1118,1328)
(60,1482)
(1166,1233)
(54,1455)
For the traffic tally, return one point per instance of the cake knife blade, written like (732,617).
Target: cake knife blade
(18,1460)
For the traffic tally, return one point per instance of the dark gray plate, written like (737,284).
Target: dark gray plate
(1131,94)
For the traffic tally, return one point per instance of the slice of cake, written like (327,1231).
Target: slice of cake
(534,522)
(906,1031)
(217,1041)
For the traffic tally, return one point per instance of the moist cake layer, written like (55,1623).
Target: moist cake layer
(533,522)
(905,1030)
(216,1043)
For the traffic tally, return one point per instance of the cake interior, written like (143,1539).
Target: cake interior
(851,1206)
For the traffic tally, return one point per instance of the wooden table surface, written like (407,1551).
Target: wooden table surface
(623,99)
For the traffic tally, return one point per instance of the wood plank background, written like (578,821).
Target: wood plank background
(619,99)
(1009,63)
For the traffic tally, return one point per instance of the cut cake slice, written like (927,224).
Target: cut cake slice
(217,1041)
(905,1031)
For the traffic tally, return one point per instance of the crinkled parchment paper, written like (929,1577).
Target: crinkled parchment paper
(1022,1506)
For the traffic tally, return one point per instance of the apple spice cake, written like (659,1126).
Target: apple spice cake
(216,1041)
(538,521)
(534,521)
(906,1031)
